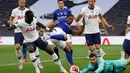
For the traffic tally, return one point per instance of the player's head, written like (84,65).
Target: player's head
(29,16)
(60,4)
(93,58)
(91,3)
(22,3)
(70,18)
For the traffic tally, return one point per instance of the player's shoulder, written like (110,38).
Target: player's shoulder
(26,8)
(97,7)
(56,11)
(15,9)
(129,17)
(65,8)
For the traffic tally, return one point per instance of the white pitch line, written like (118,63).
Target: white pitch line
(45,61)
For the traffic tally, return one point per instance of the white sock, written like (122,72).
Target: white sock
(57,62)
(37,55)
(33,59)
(19,55)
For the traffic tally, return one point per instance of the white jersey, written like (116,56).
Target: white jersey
(91,19)
(28,30)
(128,34)
(18,15)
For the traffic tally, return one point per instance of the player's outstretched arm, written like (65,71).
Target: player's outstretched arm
(86,69)
(42,26)
(100,66)
(52,24)
(7,24)
(78,17)
(106,23)
(103,25)
(79,31)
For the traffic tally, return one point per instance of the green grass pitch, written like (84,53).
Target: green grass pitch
(8,61)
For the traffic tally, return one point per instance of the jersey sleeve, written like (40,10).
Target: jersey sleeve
(128,20)
(13,13)
(54,16)
(100,66)
(18,24)
(69,12)
(86,69)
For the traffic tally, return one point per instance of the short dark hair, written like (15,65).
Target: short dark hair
(92,55)
(70,15)
(60,0)
(29,13)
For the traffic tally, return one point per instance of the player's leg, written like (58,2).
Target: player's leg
(31,48)
(62,45)
(18,42)
(126,48)
(97,42)
(55,48)
(69,42)
(38,58)
(24,50)
(89,42)
(44,46)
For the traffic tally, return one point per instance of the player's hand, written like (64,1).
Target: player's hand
(106,33)
(112,27)
(7,24)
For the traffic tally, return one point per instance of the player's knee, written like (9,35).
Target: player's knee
(65,37)
(67,49)
(31,49)
(17,46)
(91,48)
(48,50)
(98,46)
(69,45)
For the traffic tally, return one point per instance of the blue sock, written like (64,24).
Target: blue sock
(69,58)
(56,51)
(24,51)
(58,37)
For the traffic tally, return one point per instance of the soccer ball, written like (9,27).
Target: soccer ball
(74,69)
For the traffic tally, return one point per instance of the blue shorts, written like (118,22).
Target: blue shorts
(92,39)
(38,43)
(126,46)
(18,38)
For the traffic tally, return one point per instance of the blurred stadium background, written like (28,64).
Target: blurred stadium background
(115,12)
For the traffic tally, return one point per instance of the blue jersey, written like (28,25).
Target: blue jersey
(59,15)
(64,26)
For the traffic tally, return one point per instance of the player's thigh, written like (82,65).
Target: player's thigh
(41,44)
(89,40)
(96,38)
(59,44)
(69,41)
(126,46)
(31,47)
(18,38)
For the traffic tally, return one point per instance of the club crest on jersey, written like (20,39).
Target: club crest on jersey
(92,16)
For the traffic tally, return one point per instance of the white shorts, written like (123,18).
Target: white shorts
(59,44)
(57,31)
(69,38)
